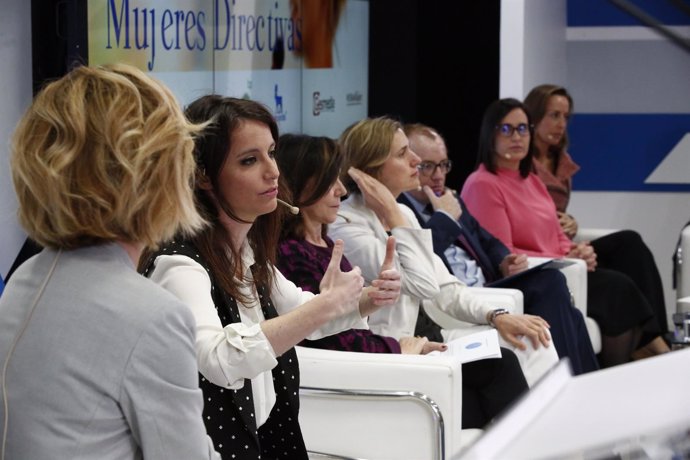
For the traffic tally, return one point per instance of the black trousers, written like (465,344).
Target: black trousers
(627,253)
(489,386)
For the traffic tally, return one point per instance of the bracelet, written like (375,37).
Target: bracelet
(495,313)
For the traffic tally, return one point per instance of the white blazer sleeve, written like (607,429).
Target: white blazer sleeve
(226,356)
(456,300)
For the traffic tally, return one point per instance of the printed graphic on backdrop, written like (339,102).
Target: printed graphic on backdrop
(278,52)
(630,131)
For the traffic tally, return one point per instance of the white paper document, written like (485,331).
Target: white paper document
(473,347)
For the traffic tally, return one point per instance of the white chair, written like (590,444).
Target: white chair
(387,406)
(589,234)
(381,406)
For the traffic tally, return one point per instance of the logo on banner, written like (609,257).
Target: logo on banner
(354,98)
(322,105)
(279,113)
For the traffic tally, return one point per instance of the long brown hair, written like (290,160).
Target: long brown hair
(536,102)
(309,166)
(211,149)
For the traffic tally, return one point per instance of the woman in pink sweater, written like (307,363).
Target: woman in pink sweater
(512,203)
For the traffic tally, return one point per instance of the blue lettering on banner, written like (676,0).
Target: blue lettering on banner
(131,26)
(618,152)
(176,27)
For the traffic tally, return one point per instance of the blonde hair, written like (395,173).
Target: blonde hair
(104,154)
(366,146)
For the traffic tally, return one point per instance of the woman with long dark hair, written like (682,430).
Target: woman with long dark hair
(248,316)
(311,166)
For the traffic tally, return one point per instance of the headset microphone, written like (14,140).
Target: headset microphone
(293,209)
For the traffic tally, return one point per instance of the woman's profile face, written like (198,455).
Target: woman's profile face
(248,181)
(325,210)
(512,139)
(551,128)
(399,173)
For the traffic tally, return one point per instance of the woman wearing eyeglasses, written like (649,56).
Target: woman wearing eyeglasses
(551,107)
(512,203)
(479,259)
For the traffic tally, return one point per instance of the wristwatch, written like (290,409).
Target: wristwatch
(495,313)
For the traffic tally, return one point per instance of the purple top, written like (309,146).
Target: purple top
(305,264)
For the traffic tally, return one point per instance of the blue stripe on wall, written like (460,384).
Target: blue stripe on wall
(618,152)
(591,13)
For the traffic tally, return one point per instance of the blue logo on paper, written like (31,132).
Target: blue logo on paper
(472,345)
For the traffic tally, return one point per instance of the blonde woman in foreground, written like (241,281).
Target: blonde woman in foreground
(93,353)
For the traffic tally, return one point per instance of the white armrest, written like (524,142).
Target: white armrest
(589,234)
(377,423)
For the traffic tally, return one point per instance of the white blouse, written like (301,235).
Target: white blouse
(226,356)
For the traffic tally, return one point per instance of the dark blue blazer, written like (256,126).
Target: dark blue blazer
(444,231)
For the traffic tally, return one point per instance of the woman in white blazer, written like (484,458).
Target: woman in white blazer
(380,165)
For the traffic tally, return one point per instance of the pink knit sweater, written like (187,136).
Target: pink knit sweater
(516,210)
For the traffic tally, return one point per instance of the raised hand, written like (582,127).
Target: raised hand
(448,202)
(378,198)
(345,287)
(387,286)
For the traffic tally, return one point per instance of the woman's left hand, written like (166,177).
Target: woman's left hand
(568,224)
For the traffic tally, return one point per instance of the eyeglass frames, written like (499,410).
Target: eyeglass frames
(507,130)
(428,168)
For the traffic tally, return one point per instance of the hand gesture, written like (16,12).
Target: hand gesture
(512,264)
(419,346)
(344,287)
(387,286)
(448,202)
(568,224)
(378,198)
(584,251)
(512,327)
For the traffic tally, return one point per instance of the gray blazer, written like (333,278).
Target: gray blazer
(106,366)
